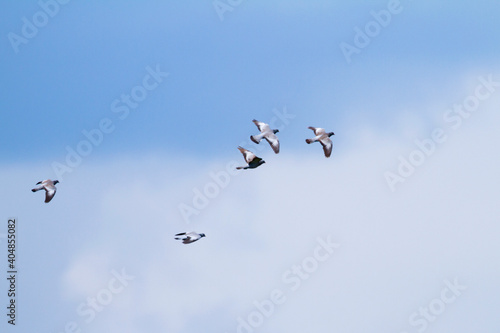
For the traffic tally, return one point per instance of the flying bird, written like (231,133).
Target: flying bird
(49,187)
(252,160)
(266,133)
(189,237)
(323,138)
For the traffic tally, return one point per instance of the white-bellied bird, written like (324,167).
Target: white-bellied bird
(323,138)
(266,133)
(252,160)
(49,187)
(189,237)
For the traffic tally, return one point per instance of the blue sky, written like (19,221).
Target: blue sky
(260,57)
(121,205)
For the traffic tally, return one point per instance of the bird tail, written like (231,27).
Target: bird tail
(309,141)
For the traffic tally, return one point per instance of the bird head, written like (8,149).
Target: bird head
(330,134)
(55,182)
(202,235)
(276,131)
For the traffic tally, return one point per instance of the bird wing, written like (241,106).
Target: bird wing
(49,194)
(37,188)
(242,150)
(273,141)
(187,240)
(247,154)
(327,145)
(317,130)
(263,127)
(191,237)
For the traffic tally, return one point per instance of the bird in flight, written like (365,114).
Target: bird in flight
(49,187)
(189,237)
(323,138)
(266,133)
(252,160)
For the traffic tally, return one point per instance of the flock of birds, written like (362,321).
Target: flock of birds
(252,160)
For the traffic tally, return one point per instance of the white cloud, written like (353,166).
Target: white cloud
(396,248)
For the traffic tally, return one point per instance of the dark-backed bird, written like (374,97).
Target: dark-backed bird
(323,138)
(189,237)
(266,133)
(49,187)
(252,160)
